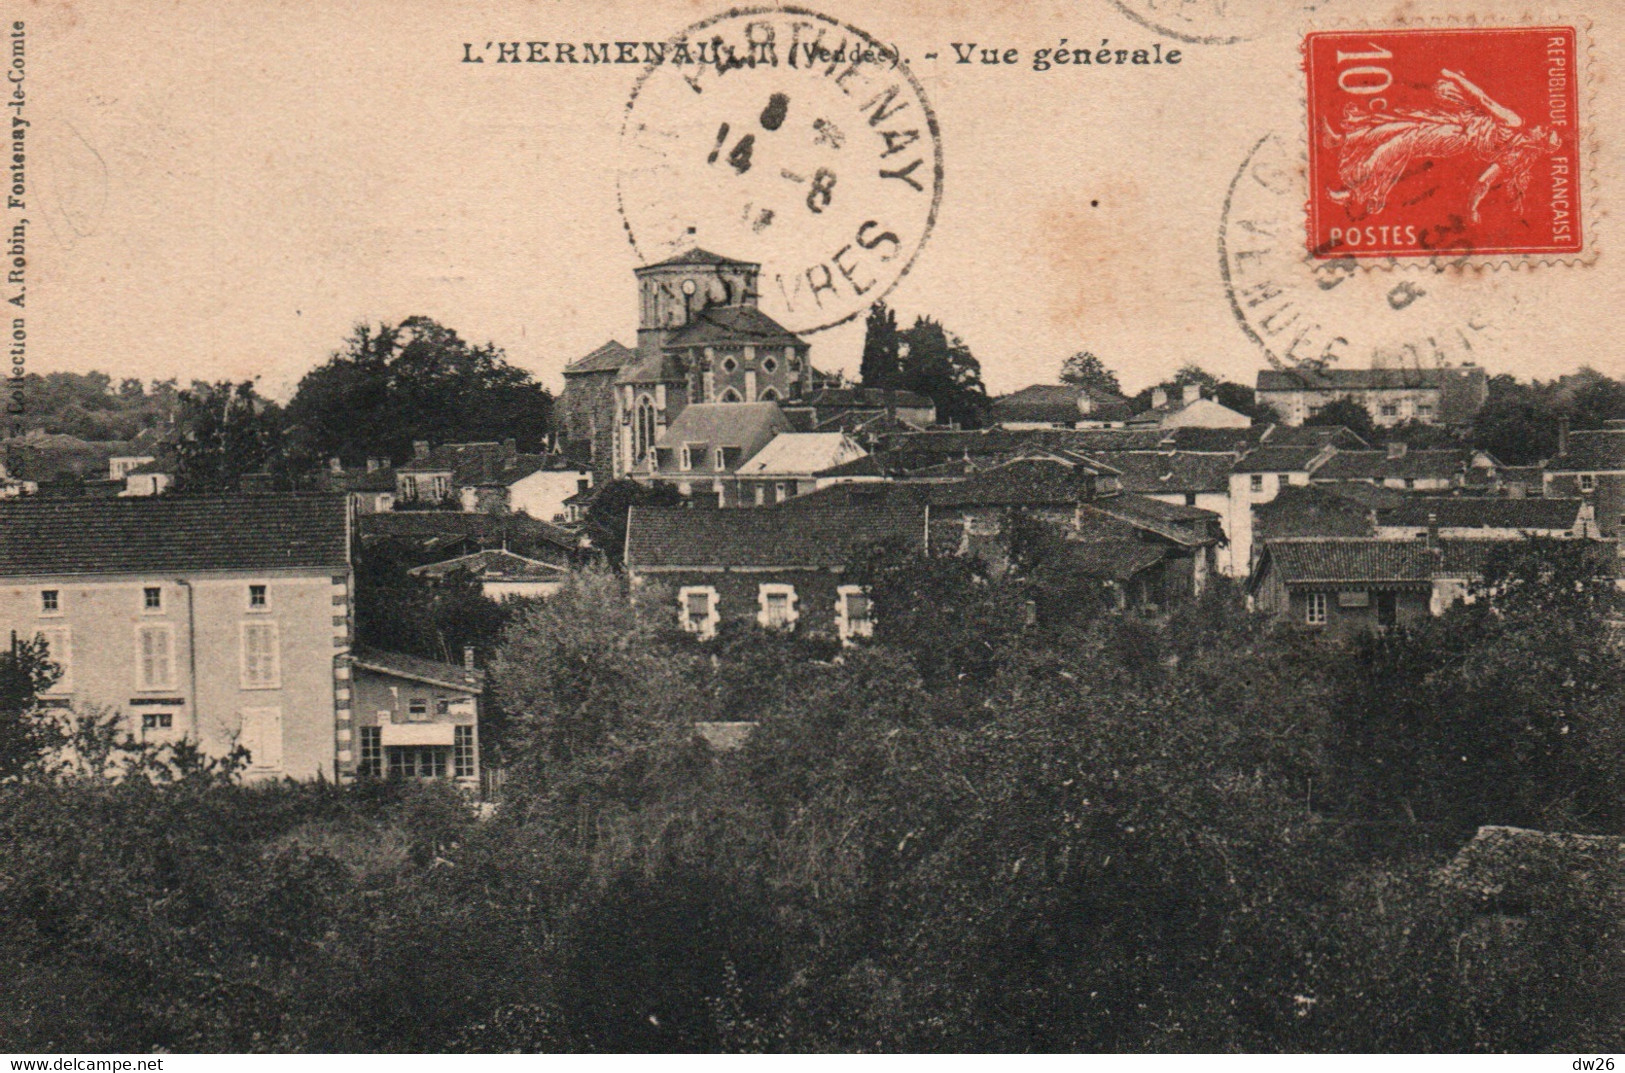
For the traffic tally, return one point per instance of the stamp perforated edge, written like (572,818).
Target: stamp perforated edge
(1588,143)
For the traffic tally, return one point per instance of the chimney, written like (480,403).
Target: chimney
(1433,529)
(1193,392)
(510,453)
(372,465)
(1159,398)
(420,448)
(1396,449)
(468,657)
(335,464)
(1563,435)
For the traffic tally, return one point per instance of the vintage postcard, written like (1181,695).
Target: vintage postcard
(676,526)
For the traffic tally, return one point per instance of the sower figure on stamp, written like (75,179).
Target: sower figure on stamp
(1376,146)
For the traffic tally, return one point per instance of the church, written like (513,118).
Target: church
(702,340)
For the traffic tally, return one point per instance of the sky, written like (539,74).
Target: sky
(225,190)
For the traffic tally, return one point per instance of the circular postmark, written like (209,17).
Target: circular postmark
(1305,312)
(1213,22)
(789,139)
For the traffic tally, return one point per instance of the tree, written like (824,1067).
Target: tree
(1350,415)
(26,733)
(1084,369)
(394,384)
(606,517)
(222,432)
(881,367)
(937,363)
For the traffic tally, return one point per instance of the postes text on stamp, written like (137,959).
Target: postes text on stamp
(1453,142)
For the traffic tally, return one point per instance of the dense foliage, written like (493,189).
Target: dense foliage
(925,358)
(1004,824)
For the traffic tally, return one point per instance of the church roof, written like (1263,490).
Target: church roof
(697,256)
(732,324)
(651,367)
(606,359)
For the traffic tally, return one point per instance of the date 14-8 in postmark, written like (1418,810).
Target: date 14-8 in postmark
(1430,142)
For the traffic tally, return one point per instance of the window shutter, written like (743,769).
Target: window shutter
(261,658)
(262,736)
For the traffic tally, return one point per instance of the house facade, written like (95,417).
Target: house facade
(1188,410)
(415,718)
(224,621)
(1258,478)
(776,568)
(1590,465)
(1059,406)
(1450,395)
(490,478)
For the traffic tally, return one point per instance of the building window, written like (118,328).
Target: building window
(1258,482)
(1424,410)
(583,484)
(769,365)
(439,487)
(1390,410)
(59,650)
(1588,482)
(261,666)
(1315,609)
(761,494)
(462,752)
(155,658)
(417,710)
(152,598)
(409,488)
(259,598)
(728,366)
(853,614)
(718,460)
(371,764)
(157,720)
(769,395)
(731,396)
(643,429)
(1190,499)
(50,602)
(262,736)
(416,762)
(778,492)
(776,607)
(1410,482)
(685,457)
(697,610)
(442,706)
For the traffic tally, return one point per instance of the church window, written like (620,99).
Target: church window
(776,607)
(770,395)
(643,429)
(685,457)
(769,365)
(729,364)
(731,396)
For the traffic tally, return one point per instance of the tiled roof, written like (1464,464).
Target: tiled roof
(803,538)
(1378,465)
(1267,459)
(1059,404)
(1320,435)
(1312,511)
(749,426)
(1151,472)
(1028,482)
(184,534)
(866,398)
(697,256)
(400,665)
(492,564)
(609,358)
(1474,512)
(420,525)
(793,453)
(1600,451)
(651,366)
(866,423)
(738,325)
(1187,526)
(1367,495)
(1347,379)
(1332,560)
(1118,560)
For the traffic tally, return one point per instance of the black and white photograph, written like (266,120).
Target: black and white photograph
(538,527)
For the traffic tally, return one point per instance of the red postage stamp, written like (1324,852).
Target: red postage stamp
(1425,142)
